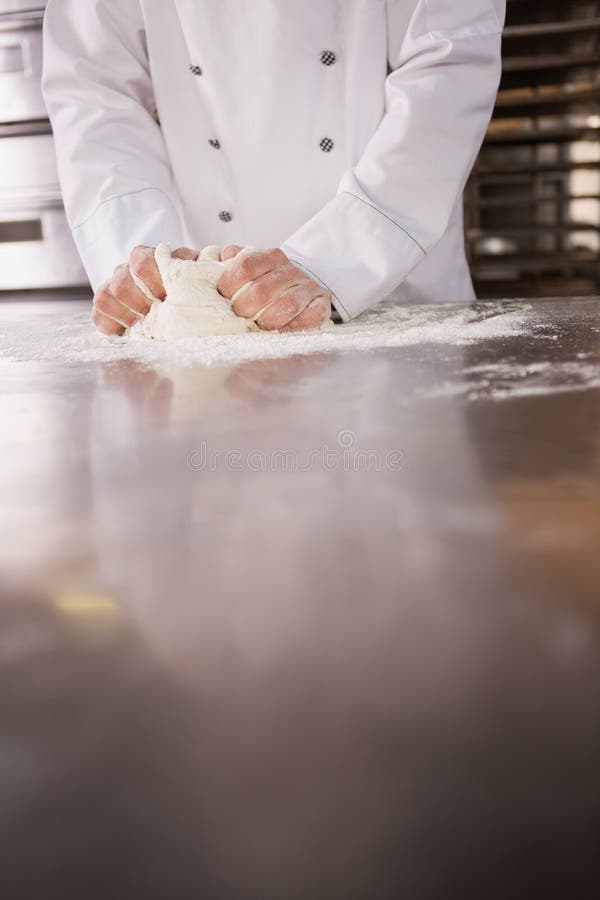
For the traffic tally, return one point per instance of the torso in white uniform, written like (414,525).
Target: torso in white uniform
(342,130)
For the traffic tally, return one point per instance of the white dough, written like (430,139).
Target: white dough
(193,307)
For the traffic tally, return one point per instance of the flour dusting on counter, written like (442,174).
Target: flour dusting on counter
(504,381)
(64,333)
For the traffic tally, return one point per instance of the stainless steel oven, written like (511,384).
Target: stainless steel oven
(21,67)
(14,6)
(36,246)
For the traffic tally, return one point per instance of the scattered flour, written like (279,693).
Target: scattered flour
(507,380)
(62,332)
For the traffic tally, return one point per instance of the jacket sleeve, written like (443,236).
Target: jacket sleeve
(114,170)
(396,203)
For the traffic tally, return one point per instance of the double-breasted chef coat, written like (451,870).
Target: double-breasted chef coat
(341,130)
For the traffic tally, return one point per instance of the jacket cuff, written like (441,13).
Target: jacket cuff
(106,238)
(358,253)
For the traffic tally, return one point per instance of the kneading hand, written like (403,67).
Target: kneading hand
(280,296)
(119,303)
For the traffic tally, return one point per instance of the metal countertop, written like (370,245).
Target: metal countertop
(358,657)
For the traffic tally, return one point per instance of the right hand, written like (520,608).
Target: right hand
(119,303)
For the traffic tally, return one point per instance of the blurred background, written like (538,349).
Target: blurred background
(532,205)
(36,248)
(533,202)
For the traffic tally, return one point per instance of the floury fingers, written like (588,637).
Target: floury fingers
(193,306)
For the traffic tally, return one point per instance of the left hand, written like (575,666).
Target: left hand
(290,299)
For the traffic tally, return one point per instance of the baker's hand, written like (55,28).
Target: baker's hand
(120,303)
(288,298)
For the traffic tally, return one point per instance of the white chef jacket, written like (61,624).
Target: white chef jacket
(341,130)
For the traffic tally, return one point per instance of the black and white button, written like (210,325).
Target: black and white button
(225,216)
(326,145)
(195,70)
(328,58)
(215,142)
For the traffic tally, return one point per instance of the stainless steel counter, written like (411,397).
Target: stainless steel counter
(359,657)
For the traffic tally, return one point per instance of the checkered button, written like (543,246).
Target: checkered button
(215,142)
(326,145)
(225,216)
(195,70)
(328,57)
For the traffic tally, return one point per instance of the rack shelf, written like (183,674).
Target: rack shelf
(534,182)
(541,29)
(534,103)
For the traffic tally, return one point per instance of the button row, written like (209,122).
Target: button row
(328,58)
(326,144)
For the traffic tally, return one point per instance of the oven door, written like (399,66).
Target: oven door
(27,167)
(37,249)
(21,69)
(19,6)
(36,246)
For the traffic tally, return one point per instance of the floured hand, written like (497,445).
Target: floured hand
(266,286)
(120,302)
(193,307)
